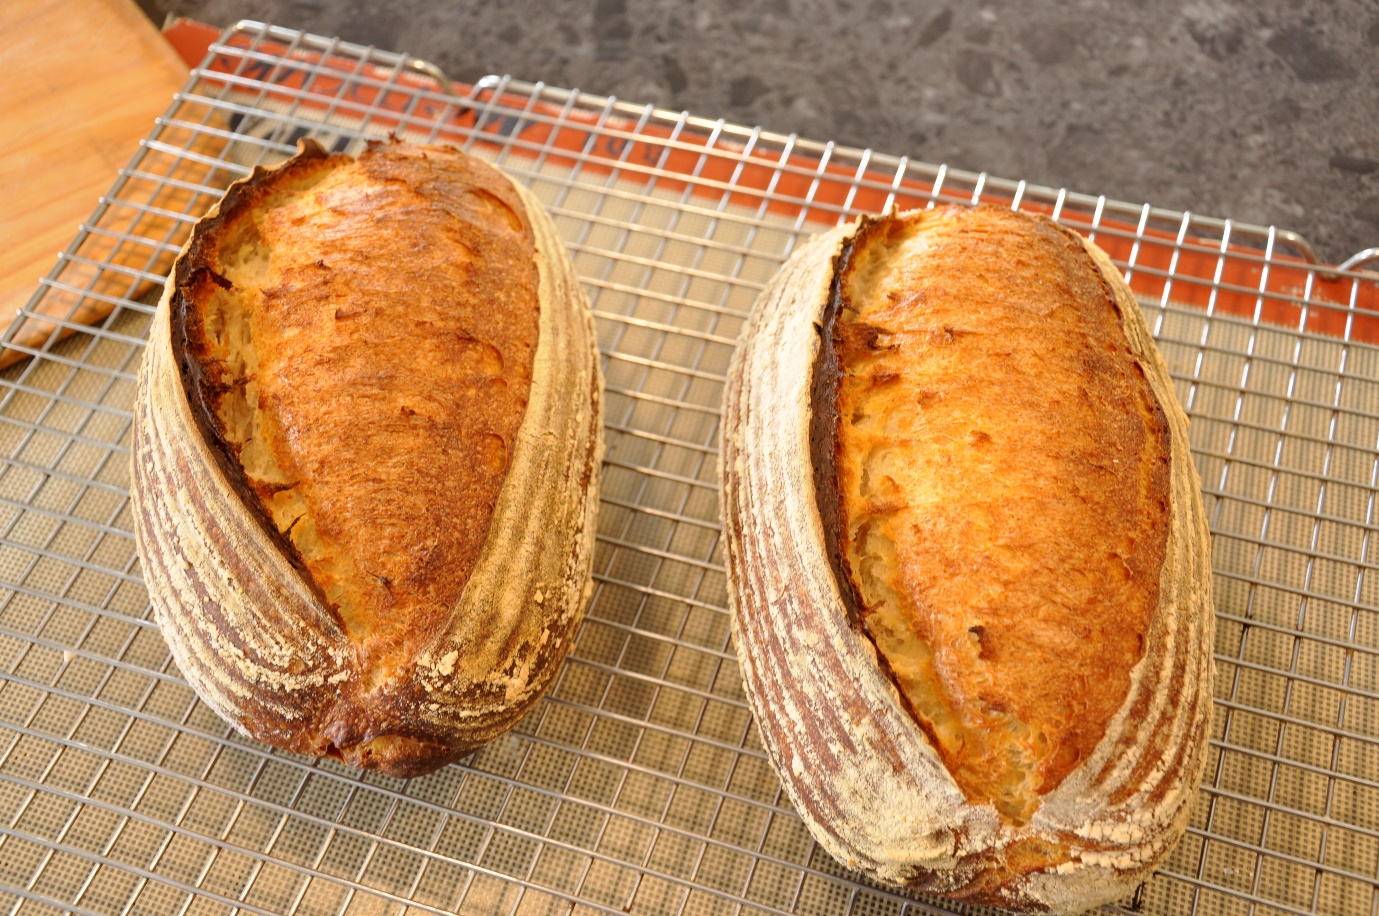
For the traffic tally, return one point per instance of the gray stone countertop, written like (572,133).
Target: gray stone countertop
(1265,111)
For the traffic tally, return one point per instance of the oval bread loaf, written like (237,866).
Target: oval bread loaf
(366,455)
(969,566)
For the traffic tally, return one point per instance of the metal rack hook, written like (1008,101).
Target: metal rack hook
(426,68)
(1360,257)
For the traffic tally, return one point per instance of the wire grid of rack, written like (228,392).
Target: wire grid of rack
(638,785)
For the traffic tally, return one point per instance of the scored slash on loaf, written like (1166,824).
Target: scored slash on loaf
(368,433)
(968,564)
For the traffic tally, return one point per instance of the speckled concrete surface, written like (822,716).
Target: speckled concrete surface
(1264,111)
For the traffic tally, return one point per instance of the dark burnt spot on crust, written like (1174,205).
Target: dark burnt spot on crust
(858,337)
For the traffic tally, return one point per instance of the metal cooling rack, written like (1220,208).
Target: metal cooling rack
(639,785)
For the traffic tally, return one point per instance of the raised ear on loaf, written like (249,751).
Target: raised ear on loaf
(969,566)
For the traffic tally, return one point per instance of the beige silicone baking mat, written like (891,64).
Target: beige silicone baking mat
(639,785)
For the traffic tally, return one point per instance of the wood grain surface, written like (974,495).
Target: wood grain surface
(84,81)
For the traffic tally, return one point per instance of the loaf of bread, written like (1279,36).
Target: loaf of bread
(968,563)
(366,455)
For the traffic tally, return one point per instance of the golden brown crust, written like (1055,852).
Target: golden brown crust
(342,558)
(1002,477)
(397,304)
(873,787)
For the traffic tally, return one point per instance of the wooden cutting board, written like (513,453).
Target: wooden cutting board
(84,80)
